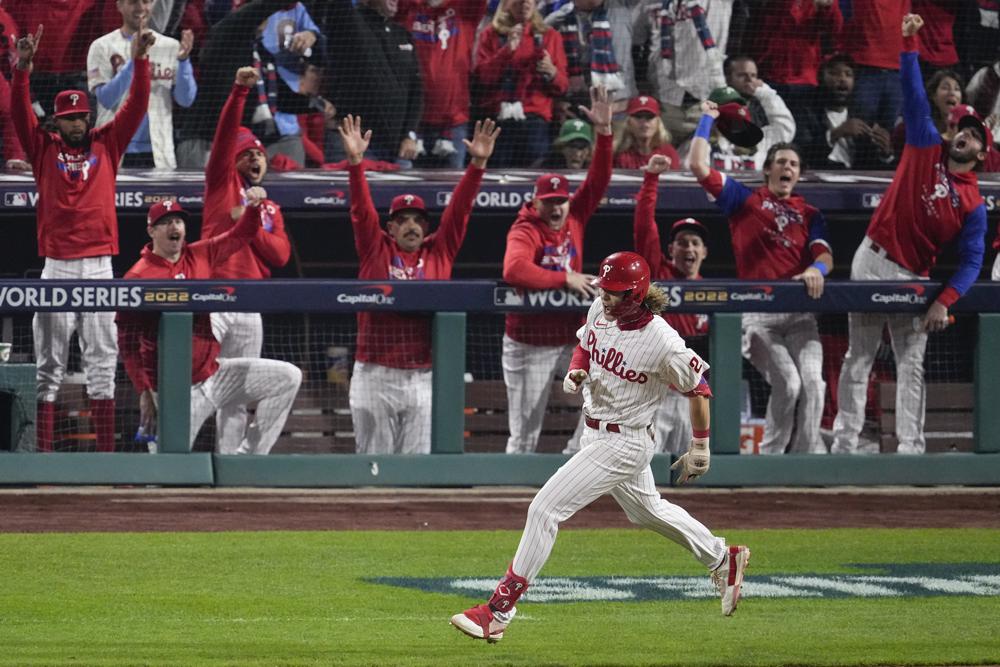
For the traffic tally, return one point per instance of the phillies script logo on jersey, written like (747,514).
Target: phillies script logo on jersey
(76,166)
(613,361)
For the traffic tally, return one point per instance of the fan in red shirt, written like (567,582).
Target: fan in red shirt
(391,390)
(238,161)
(75,170)
(216,383)
(682,261)
(545,252)
(644,134)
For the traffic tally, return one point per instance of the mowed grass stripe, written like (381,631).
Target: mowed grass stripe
(299,599)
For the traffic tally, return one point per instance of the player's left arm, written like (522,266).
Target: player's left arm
(686,373)
(814,275)
(920,130)
(455,219)
(588,196)
(271,241)
(971,246)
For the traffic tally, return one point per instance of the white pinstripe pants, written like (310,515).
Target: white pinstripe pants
(240,335)
(615,463)
(672,424)
(270,383)
(391,409)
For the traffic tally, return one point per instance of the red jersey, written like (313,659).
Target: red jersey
(937,43)
(927,206)
(633,159)
(646,239)
(773,239)
(538,257)
(137,332)
(795,58)
(393,339)
(225,190)
(69,26)
(444,37)
(506,76)
(76,186)
(873,35)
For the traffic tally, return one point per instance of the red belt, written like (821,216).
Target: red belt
(596,424)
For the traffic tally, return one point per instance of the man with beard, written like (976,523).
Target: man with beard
(238,161)
(777,235)
(75,169)
(933,200)
(391,386)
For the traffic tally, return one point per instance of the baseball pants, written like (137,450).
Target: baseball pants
(98,335)
(270,383)
(391,409)
(240,335)
(672,424)
(995,274)
(615,463)
(786,349)
(528,371)
(865,335)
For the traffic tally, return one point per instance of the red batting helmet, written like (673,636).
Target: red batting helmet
(625,272)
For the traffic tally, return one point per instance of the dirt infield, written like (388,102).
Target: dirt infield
(58,509)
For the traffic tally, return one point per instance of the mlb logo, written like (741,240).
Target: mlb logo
(871,200)
(15,199)
(443,198)
(507,296)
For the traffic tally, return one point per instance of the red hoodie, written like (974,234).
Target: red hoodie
(537,256)
(794,59)
(494,61)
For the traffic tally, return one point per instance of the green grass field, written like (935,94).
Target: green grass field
(303,599)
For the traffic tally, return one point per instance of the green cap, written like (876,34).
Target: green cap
(725,95)
(575,129)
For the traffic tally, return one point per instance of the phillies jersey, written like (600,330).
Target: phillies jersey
(443,35)
(773,239)
(537,257)
(225,190)
(646,239)
(632,368)
(403,340)
(926,206)
(138,332)
(76,186)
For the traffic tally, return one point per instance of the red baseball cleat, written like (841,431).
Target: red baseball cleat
(480,623)
(728,577)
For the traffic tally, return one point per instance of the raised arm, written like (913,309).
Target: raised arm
(21,114)
(645,235)
(588,196)
(699,157)
(222,159)
(455,219)
(920,130)
(364,217)
(127,120)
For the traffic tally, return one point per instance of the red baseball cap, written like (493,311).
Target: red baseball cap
(963,115)
(688,225)
(736,124)
(246,140)
(407,203)
(70,102)
(552,186)
(643,103)
(161,209)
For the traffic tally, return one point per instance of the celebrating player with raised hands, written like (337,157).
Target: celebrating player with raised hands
(776,235)
(933,200)
(75,168)
(625,361)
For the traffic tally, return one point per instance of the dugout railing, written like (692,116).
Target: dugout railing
(451,302)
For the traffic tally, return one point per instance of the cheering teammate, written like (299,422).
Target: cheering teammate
(75,168)
(776,236)
(390,392)
(625,361)
(545,251)
(933,199)
(216,383)
(238,161)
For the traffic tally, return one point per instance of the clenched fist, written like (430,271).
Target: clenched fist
(694,463)
(574,380)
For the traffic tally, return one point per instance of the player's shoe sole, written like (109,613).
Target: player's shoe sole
(475,621)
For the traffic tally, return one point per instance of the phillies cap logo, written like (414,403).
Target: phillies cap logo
(408,199)
(73,99)
(643,99)
(168,204)
(555,182)
(605,270)
(577,124)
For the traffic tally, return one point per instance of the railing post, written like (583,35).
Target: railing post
(985,373)
(448,401)
(726,377)
(174,383)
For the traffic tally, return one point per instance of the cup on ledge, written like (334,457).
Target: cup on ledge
(4,353)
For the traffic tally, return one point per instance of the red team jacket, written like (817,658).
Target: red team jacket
(137,332)
(872,35)
(926,206)
(773,239)
(76,186)
(536,95)
(403,340)
(646,238)
(537,256)
(225,190)
(794,59)
(635,160)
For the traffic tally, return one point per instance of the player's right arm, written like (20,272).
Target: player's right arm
(455,219)
(222,159)
(728,193)
(364,217)
(920,130)
(588,196)
(645,235)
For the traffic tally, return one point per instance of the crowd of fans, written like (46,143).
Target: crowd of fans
(822,73)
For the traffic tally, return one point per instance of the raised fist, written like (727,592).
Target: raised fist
(912,23)
(574,380)
(247,76)
(255,195)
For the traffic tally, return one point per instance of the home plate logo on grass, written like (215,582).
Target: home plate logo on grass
(877,581)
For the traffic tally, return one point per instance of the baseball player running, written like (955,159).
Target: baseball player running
(545,251)
(238,161)
(776,235)
(933,200)
(216,383)
(625,361)
(682,261)
(75,169)
(390,392)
